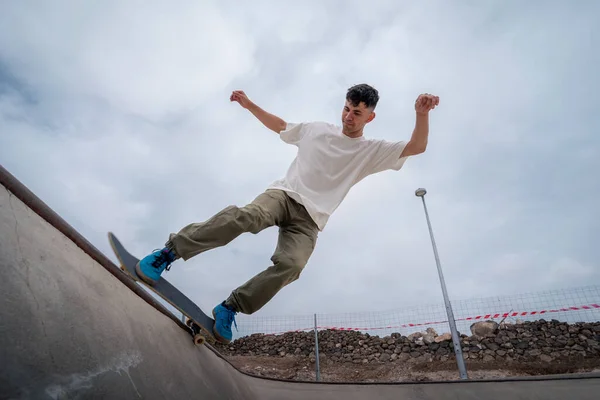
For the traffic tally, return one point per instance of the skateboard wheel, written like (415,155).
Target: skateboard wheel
(199,340)
(189,322)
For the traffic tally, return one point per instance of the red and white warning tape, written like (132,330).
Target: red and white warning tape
(475,318)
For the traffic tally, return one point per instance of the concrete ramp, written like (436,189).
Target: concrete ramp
(72,326)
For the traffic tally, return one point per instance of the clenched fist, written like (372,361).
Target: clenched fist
(426,102)
(241,98)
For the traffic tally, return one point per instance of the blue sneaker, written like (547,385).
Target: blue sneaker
(223,316)
(152,266)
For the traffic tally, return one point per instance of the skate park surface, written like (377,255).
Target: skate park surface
(73,326)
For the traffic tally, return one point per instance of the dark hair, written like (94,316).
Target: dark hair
(365,93)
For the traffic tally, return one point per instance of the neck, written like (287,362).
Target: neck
(352,134)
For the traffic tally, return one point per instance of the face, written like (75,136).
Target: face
(354,118)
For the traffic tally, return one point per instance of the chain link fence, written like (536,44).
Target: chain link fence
(581,304)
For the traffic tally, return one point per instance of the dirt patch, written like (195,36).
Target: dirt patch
(566,365)
(301,369)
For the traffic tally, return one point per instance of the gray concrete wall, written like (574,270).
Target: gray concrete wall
(69,329)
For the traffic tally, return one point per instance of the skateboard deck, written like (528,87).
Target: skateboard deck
(199,323)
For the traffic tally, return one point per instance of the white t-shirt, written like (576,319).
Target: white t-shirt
(328,163)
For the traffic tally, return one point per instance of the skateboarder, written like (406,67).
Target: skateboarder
(330,160)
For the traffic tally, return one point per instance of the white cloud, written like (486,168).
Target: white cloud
(118,116)
(155,61)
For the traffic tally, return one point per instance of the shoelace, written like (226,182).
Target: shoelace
(161,258)
(230,319)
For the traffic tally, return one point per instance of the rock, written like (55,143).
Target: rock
(522,345)
(484,328)
(555,332)
(535,352)
(560,341)
(546,358)
(431,331)
(492,346)
(428,338)
(442,338)
(442,351)
(434,346)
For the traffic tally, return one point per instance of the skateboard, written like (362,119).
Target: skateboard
(199,323)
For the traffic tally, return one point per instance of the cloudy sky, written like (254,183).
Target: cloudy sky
(117,115)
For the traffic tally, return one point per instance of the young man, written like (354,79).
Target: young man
(330,160)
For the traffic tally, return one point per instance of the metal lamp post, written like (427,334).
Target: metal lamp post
(455,339)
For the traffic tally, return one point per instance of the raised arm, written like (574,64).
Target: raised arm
(269,120)
(418,141)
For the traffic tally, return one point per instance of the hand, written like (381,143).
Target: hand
(425,103)
(241,98)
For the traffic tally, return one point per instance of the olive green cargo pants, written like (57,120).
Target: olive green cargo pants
(297,239)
